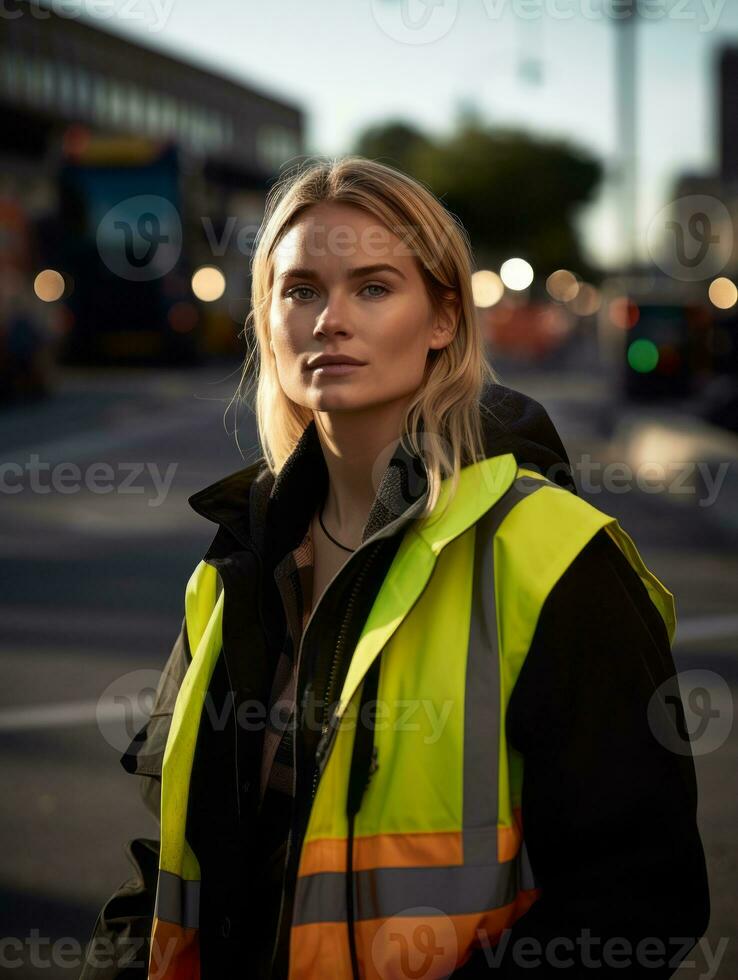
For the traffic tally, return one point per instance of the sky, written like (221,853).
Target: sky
(352,63)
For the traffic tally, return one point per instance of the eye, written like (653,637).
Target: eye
(377,285)
(296,289)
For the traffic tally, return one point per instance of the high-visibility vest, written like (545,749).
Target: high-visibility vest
(438,856)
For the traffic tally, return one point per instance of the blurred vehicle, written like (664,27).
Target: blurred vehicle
(657,337)
(26,337)
(525,331)
(121,247)
(718,402)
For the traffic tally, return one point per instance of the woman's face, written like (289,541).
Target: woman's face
(346,285)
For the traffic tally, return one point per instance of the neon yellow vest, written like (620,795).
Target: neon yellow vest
(438,848)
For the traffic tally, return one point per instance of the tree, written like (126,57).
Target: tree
(516,194)
(397,144)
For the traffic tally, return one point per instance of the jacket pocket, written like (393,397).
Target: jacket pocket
(119,946)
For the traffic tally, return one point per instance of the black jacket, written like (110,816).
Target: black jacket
(609,813)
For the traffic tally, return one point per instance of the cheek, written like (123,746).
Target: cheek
(283,334)
(403,336)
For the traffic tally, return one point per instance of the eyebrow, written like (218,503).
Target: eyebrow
(364,270)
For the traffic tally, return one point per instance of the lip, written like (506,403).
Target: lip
(335,368)
(322,359)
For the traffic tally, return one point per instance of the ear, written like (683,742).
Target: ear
(445,325)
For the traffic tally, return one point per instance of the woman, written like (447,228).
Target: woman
(404,731)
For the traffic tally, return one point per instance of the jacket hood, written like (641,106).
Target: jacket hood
(518,424)
(271,512)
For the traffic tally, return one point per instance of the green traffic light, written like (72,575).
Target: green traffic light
(643,356)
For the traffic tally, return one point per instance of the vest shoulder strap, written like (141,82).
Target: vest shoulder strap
(541,537)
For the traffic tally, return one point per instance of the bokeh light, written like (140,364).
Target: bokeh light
(49,285)
(562,285)
(587,300)
(487,288)
(516,273)
(208,283)
(723,293)
(182,317)
(623,312)
(643,355)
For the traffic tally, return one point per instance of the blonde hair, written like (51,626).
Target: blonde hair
(447,404)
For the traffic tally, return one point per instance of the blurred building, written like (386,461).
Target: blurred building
(682,337)
(722,183)
(56,71)
(728,112)
(73,95)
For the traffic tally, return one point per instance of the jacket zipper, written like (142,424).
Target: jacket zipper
(338,652)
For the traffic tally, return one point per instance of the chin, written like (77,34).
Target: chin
(339,398)
(337,402)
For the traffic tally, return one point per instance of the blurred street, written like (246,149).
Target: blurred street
(93,591)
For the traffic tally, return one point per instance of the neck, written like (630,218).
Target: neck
(357,447)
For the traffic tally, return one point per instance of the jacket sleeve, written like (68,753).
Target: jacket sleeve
(119,946)
(609,813)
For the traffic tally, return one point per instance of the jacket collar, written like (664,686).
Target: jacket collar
(270,513)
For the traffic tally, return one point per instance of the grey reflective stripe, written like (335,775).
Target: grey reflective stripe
(527,878)
(481,720)
(177,900)
(384,892)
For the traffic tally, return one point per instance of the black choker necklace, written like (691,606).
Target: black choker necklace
(330,536)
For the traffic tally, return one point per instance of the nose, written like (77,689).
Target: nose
(333,320)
